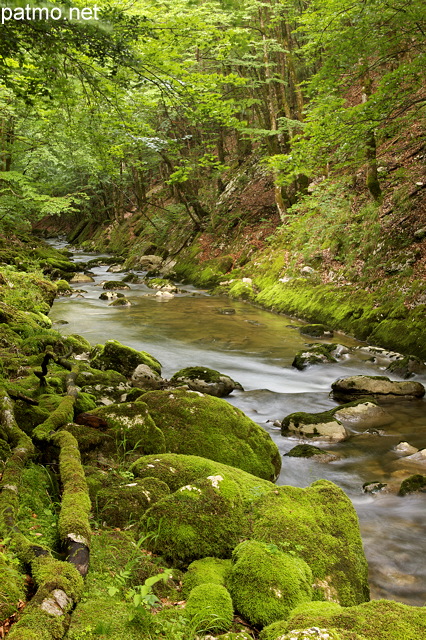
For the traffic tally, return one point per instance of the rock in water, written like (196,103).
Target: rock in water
(376,385)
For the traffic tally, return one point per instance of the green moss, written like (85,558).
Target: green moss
(196,373)
(265,583)
(12,586)
(63,414)
(84,402)
(115,284)
(313,354)
(77,343)
(414,483)
(210,427)
(304,451)
(241,290)
(206,570)
(28,417)
(132,427)
(376,620)
(63,286)
(91,376)
(320,524)
(209,607)
(124,359)
(123,503)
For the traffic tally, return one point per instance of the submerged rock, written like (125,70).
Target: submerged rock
(115,284)
(321,426)
(110,295)
(193,423)
(373,487)
(81,277)
(120,302)
(206,381)
(414,483)
(407,366)
(316,331)
(309,451)
(405,449)
(376,385)
(313,354)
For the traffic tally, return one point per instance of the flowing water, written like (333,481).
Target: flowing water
(256,348)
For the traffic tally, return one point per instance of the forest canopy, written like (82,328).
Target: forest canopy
(93,111)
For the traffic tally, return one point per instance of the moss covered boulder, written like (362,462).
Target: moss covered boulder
(375,620)
(121,503)
(321,426)
(12,588)
(209,607)
(206,570)
(320,525)
(206,380)
(116,356)
(354,386)
(309,451)
(266,583)
(193,423)
(115,284)
(212,507)
(131,427)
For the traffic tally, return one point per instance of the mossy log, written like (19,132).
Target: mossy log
(59,584)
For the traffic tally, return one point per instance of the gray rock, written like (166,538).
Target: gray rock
(406,366)
(81,277)
(205,380)
(144,377)
(405,449)
(377,386)
(363,414)
(115,268)
(321,426)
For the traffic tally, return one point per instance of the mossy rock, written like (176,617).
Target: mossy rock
(8,337)
(210,427)
(205,570)
(320,525)
(132,428)
(89,439)
(305,451)
(28,417)
(118,357)
(63,287)
(122,503)
(77,343)
(115,284)
(84,402)
(241,291)
(375,620)
(120,302)
(414,483)
(200,519)
(206,381)
(91,376)
(209,607)
(322,426)
(266,583)
(316,331)
(354,386)
(313,354)
(407,366)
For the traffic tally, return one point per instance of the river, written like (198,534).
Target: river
(256,348)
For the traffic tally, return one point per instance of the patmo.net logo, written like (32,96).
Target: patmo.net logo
(31,13)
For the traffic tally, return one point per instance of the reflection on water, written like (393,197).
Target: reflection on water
(256,348)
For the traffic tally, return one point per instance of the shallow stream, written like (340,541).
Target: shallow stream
(256,348)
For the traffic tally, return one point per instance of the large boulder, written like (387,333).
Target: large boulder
(201,425)
(143,377)
(205,380)
(117,356)
(320,525)
(209,608)
(266,583)
(212,507)
(354,386)
(375,620)
(131,428)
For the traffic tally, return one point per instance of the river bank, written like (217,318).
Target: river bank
(251,346)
